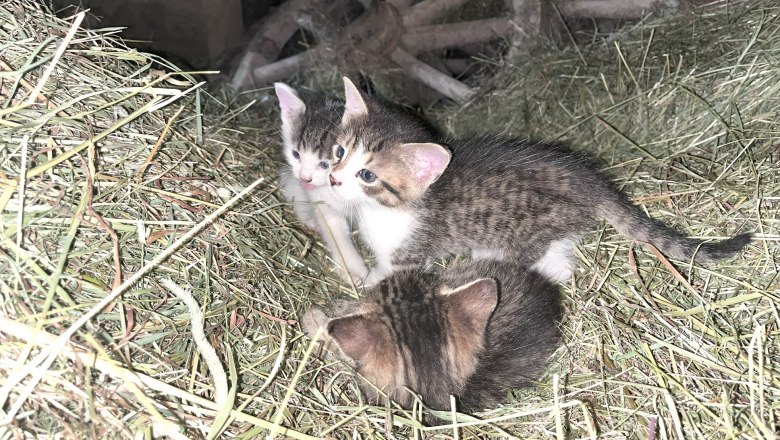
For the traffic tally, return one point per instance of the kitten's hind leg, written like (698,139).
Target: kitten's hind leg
(556,264)
(337,236)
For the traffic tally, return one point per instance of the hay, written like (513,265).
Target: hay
(684,114)
(120,156)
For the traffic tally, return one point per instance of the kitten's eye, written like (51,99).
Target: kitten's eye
(367,176)
(324,165)
(340,152)
(296,154)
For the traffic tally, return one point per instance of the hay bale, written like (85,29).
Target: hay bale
(109,157)
(683,112)
(105,148)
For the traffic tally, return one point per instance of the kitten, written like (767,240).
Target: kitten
(418,198)
(308,124)
(475,330)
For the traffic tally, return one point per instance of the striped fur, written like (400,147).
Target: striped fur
(502,197)
(475,330)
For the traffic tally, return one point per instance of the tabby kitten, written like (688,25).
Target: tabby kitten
(418,198)
(308,123)
(474,330)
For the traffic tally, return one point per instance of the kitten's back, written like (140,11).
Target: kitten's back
(521,335)
(475,330)
(492,196)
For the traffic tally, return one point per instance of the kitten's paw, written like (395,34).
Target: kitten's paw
(350,276)
(312,320)
(353,270)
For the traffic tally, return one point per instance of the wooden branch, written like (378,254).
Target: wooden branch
(375,32)
(267,42)
(428,11)
(442,36)
(242,74)
(285,68)
(377,35)
(275,30)
(446,85)
(612,9)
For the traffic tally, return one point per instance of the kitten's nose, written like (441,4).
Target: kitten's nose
(333,181)
(306,178)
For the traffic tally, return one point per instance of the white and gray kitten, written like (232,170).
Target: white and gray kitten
(309,122)
(418,197)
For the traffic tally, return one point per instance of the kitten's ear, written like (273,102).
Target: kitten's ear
(474,302)
(354,105)
(291,105)
(357,335)
(427,161)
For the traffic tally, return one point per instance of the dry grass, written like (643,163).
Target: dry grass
(111,160)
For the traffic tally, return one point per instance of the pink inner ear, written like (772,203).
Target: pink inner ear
(476,300)
(354,104)
(430,160)
(356,335)
(289,102)
(423,168)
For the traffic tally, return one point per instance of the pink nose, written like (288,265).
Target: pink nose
(333,181)
(306,178)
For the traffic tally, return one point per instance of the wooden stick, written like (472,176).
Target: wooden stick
(446,85)
(268,40)
(613,9)
(428,11)
(285,68)
(527,16)
(442,36)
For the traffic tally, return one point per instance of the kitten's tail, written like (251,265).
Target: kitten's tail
(629,220)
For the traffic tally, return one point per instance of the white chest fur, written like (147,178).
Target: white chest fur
(384,230)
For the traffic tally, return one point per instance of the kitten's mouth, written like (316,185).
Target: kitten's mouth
(307,185)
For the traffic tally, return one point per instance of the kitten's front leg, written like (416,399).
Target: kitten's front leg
(337,236)
(382,269)
(400,259)
(292,191)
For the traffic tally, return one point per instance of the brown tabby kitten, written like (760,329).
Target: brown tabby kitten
(475,330)
(417,197)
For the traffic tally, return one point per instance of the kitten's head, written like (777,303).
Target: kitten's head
(309,123)
(412,334)
(383,155)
